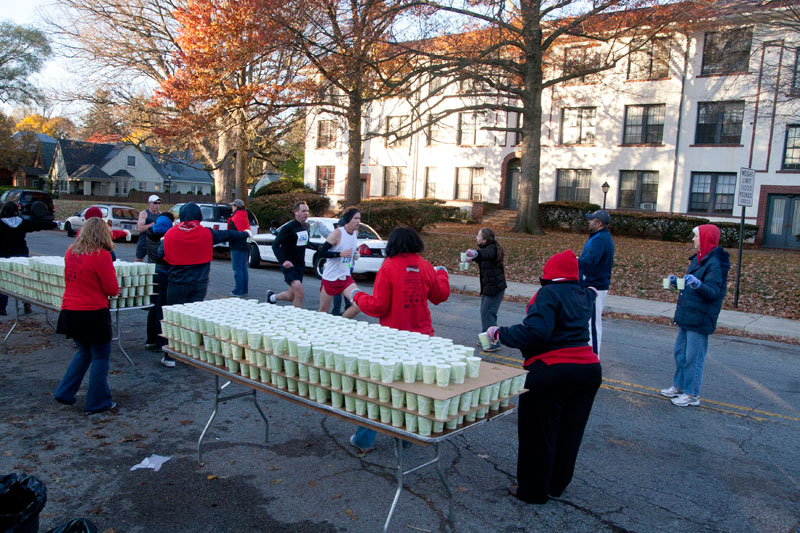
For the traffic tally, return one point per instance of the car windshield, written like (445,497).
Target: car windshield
(122,212)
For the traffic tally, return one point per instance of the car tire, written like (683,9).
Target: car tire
(68,229)
(319,264)
(255,256)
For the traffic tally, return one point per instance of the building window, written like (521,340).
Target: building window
(719,122)
(142,186)
(650,61)
(791,153)
(644,124)
(572,185)
(794,90)
(727,51)
(325,177)
(131,160)
(577,60)
(430,182)
(393,181)
(712,192)
(577,125)
(638,189)
(515,124)
(326,134)
(469,129)
(395,129)
(469,181)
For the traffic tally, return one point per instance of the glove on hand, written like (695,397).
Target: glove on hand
(492,333)
(692,281)
(440,268)
(673,279)
(472,253)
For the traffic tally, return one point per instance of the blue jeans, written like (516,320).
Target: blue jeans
(240,274)
(184,294)
(690,356)
(489,308)
(98,396)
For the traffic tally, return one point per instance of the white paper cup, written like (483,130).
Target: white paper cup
(473,367)
(428,373)
(463,256)
(264,375)
(281,382)
(387,371)
(481,412)
(438,426)
(451,424)
(348,383)
(375,368)
(336,381)
(495,406)
(291,385)
(666,283)
(443,374)
(470,417)
(485,342)
(517,383)
(458,372)
(361,406)
(463,266)
(361,387)
(303,352)
(453,406)
(302,388)
(384,393)
(495,394)
(373,411)
(386,414)
(325,377)
(275,363)
(350,404)
(321,395)
(440,408)
(485,394)
(465,401)
(424,426)
(372,389)
(363,366)
(337,399)
(397,418)
(350,364)
(290,367)
(411,422)
(398,398)
(411,401)
(505,388)
(409,371)
(681,284)
(313,374)
(424,404)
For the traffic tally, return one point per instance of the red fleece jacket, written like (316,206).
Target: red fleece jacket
(90,279)
(240,220)
(188,243)
(404,285)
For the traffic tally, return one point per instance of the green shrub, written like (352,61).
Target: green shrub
(278,207)
(676,228)
(385,214)
(565,215)
(282,186)
(729,233)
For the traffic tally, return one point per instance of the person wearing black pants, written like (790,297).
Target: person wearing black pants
(563,377)
(152,237)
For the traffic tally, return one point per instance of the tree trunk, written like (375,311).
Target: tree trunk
(352,194)
(223,175)
(528,213)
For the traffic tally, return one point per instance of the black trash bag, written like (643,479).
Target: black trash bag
(76,525)
(22,498)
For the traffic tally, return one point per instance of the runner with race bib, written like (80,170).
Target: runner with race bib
(340,253)
(290,251)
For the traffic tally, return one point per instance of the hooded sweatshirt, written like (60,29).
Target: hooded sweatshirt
(698,309)
(556,327)
(12,235)
(239,222)
(188,247)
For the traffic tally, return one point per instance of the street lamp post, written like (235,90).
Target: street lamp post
(169,189)
(605,186)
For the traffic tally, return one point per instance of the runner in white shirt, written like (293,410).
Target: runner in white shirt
(340,251)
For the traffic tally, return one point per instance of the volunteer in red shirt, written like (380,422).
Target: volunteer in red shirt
(404,285)
(563,377)
(240,250)
(90,279)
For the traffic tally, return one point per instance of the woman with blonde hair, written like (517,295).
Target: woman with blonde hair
(90,279)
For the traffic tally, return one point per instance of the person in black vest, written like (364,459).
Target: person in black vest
(152,237)
(147,217)
(489,257)
(290,251)
(564,375)
(12,239)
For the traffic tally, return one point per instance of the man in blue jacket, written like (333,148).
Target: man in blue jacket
(595,264)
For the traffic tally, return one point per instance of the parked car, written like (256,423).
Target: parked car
(371,248)
(119,217)
(32,204)
(215,216)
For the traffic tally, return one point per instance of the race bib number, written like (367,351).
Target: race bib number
(347,260)
(302,238)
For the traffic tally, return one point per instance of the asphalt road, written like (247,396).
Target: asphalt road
(732,464)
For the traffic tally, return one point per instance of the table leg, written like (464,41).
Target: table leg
(119,340)
(263,417)
(13,326)
(398,453)
(47,319)
(440,471)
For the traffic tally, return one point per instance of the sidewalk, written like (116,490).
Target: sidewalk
(745,322)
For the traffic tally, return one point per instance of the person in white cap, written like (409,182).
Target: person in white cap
(146,220)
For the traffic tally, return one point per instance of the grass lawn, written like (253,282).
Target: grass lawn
(769,285)
(67,208)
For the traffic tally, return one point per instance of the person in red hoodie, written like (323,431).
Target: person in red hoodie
(563,377)
(239,249)
(403,286)
(90,279)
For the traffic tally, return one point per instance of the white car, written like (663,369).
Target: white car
(371,248)
(119,217)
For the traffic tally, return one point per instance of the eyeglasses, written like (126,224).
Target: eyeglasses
(156,202)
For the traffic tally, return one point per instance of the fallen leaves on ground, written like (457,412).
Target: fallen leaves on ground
(768,286)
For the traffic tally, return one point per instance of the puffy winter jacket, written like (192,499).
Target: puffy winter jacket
(698,309)
(12,235)
(493,275)
(596,260)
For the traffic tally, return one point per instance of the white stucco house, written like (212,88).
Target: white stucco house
(668,129)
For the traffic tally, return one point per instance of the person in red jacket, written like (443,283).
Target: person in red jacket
(403,287)
(563,377)
(90,279)
(240,250)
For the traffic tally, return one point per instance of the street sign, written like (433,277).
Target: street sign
(747,183)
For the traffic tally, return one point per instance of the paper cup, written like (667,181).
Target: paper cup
(350,404)
(495,394)
(321,395)
(485,394)
(438,426)
(495,406)
(337,399)
(313,374)
(361,387)
(424,404)
(463,257)
(451,424)
(428,373)
(505,388)
(465,401)
(291,385)
(361,406)
(666,283)
(440,408)
(302,388)
(384,393)
(453,406)
(348,384)
(424,426)
(375,369)
(372,389)
(409,371)
(411,422)
(681,284)
(350,364)
(411,401)
(463,266)
(303,352)
(264,375)
(290,367)
(398,398)
(481,412)
(325,377)
(373,411)
(397,418)
(363,366)
(458,372)
(517,383)
(485,342)
(443,374)
(275,363)
(387,371)
(473,367)
(336,381)
(386,414)
(470,417)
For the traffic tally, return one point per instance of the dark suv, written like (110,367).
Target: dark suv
(32,204)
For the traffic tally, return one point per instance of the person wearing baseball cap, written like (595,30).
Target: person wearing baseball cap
(239,249)
(595,263)
(146,220)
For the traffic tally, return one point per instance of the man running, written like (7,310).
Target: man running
(340,251)
(290,251)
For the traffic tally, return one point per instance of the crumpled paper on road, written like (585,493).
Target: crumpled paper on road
(154,462)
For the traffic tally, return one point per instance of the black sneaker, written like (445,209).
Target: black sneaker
(270,294)
(493,348)
(110,407)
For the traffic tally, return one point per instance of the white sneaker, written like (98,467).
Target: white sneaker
(168,362)
(686,400)
(671,392)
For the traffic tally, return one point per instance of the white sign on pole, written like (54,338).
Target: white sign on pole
(747,183)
